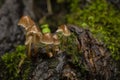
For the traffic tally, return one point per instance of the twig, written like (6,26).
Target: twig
(49,7)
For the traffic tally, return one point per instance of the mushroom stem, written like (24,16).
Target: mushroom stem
(47,51)
(55,49)
(20,64)
(50,54)
(35,48)
(29,50)
(63,41)
(56,43)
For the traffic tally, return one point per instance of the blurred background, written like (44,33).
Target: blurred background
(101,17)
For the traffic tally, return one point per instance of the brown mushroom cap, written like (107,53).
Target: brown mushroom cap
(26,22)
(30,26)
(47,38)
(35,31)
(64,30)
(56,40)
(36,37)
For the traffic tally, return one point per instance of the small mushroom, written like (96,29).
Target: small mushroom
(31,39)
(47,38)
(28,44)
(26,22)
(65,31)
(56,43)
(33,36)
(33,33)
(56,40)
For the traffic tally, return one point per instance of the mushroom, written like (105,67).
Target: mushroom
(35,31)
(33,34)
(32,39)
(26,22)
(28,43)
(65,31)
(47,38)
(29,25)
(56,42)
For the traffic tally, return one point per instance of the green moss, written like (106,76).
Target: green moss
(70,46)
(101,18)
(10,64)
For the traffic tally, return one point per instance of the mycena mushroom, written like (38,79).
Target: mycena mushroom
(47,38)
(26,22)
(35,40)
(64,34)
(33,34)
(56,42)
(64,30)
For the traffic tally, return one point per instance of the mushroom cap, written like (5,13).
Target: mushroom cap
(26,22)
(34,30)
(65,31)
(47,38)
(32,38)
(56,40)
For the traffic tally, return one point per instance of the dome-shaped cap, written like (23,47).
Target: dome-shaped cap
(47,38)
(65,31)
(26,22)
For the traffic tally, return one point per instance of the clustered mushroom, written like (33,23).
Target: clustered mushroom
(64,34)
(64,30)
(34,35)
